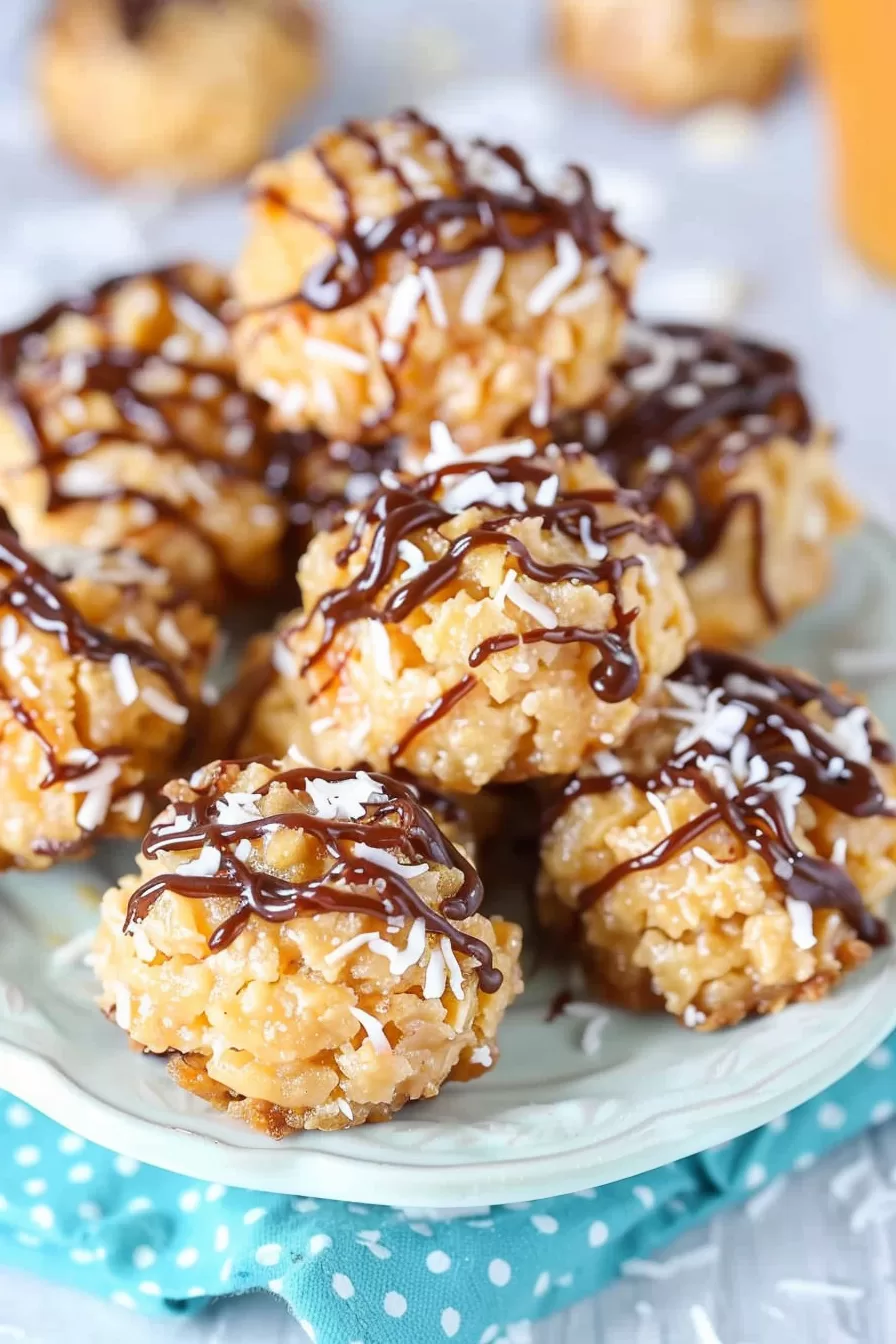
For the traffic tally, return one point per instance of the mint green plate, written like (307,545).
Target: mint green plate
(550,1118)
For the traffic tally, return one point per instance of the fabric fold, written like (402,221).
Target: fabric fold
(156,1242)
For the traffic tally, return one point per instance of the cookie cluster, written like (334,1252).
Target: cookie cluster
(536,537)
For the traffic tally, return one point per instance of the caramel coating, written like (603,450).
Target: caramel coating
(194,97)
(475,343)
(85,740)
(426,689)
(304,1023)
(121,423)
(667,58)
(709,933)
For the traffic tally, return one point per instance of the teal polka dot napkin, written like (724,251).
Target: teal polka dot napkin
(360,1274)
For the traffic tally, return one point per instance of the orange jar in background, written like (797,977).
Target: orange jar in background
(855,48)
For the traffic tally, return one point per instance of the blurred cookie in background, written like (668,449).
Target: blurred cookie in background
(188,91)
(667,56)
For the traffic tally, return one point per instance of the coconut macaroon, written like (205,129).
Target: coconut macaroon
(715,431)
(308,943)
(667,58)
(101,674)
(180,91)
(122,423)
(498,618)
(735,854)
(391,278)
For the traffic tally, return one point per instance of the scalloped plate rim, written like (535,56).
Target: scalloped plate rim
(437,1178)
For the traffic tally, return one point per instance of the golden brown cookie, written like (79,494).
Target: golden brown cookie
(734,854)
(670,55)
(715,431)
(183,91)
(309,944)
(498,618)
(391,277)
(101,672)
(122,424)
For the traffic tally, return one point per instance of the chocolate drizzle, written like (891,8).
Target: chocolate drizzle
(35,594)
(480,216)
(697,399)
(34,383)
(353,883)
(403,507)
(780,742)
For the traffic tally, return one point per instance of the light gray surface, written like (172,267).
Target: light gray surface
(753,222)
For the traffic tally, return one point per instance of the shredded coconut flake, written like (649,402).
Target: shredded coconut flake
(700,1258)
(234,808)
(443,451)
(413,558)
(511,589)
(546,493)
(685,395)
(759,1205)
(820,1288)
(383,859)
(482,285)
(374,1030)
(433,294)
(332,352)
(844,1183)
(401,959)
(126,687)
(850,735)
(559,278)
(122,1007)
(344,799)
(346,949)
(206,863)
(788,789)
(102,776)
(481,488)
(455,974)
(381,648)
(400,315)
(703,1326)
(583,296)
(659,807)
(162,705)
(800,913)
(170,635)
(131,805)
(94,809)
(540,410)
(595,550)
(838,851)
(282,660)
(72,952)
(436,975)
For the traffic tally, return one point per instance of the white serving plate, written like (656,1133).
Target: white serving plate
(549,1119)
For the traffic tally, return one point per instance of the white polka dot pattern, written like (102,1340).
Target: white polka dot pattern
(151,1241)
